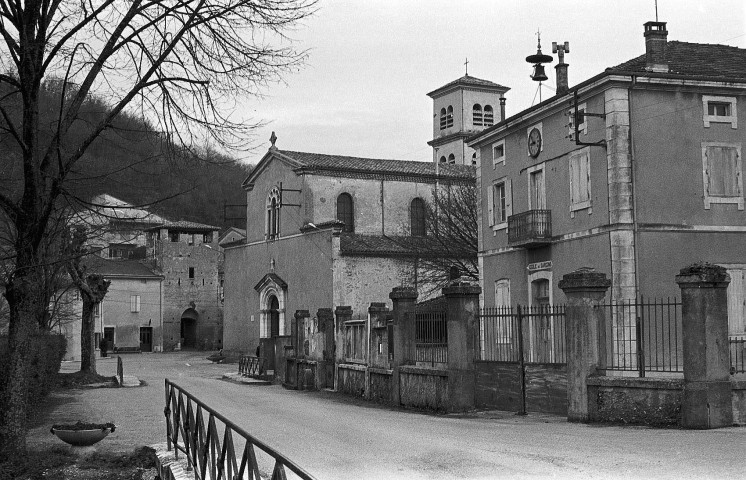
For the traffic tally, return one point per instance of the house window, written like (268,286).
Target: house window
(498,153)
(536,188)
(207,238)
(191,272)
(499,204)
(443,119)
(134,303)
(580,180)
(476,114)
(502,293)
(417,217)
(719,110)
(489,116)
(173,235)
(722,173)
(474,158)
(346,212)
(451,159)
(272,230)
(190,239)
(442,159)
(449,116)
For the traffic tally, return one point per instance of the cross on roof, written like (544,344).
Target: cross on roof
(466,64)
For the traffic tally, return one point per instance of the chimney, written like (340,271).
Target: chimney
(561,67)
(655,47)
(502,108)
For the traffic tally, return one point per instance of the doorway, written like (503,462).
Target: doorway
(109,336)
(189,328)
(146,339)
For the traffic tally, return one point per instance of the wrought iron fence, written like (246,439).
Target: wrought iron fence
(737,355)
(644,336)
(210,441)
(431,334)
(250,366)
(533,334)
(356,340)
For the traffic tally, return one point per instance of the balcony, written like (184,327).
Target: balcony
(530,229)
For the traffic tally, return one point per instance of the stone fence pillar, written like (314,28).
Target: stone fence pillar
(297,331)
(585,336)
(342,314)
(325,366)
(404,299)
(707,389)
(463,343)
(378,315)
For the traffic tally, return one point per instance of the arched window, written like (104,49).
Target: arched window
(451,159)
(442,159)
(272,230)
(346,212)
(489,116)
(449,116)
(442,118)
(417,217)
(476,114)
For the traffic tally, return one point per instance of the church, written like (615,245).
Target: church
(324,230)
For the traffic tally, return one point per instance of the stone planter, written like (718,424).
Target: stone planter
(82,434)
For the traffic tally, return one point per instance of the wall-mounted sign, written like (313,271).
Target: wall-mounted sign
(532,267)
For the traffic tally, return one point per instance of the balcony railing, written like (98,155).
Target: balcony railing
(532,228)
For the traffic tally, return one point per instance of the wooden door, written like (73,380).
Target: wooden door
(737,301)
(146,339)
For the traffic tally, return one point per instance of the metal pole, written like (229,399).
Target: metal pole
(521,362)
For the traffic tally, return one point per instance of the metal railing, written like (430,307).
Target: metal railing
(250,366)
(644,336)
(194,429)
(431,335)
(530,227)
(737,354)
(533,334)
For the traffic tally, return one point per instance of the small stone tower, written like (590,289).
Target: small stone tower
(460,109)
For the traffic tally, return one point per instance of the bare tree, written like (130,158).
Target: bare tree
(450,242)
(178,63)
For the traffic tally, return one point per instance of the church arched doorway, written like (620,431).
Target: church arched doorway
(189,320)
(274,316)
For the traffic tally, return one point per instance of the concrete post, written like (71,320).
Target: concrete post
(378,314)
(297,331)
(463,343)
(342,314)
(404,299)
(325,371)
(707,390)
(585,336)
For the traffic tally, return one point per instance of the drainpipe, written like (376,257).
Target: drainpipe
(635,227)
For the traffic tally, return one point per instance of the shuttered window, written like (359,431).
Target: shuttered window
(346,212)
(722,173)
(580,180)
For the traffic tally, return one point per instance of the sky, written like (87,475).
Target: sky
(371,63)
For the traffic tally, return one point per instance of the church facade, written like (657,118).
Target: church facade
(324,231)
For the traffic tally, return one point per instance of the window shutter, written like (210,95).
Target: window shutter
(491,205)
(508,198)
(573,181)
(586,159)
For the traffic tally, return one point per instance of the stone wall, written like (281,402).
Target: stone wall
(644,401)
(423,388)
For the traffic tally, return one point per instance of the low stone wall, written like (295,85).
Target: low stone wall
(380,385)
(424,388)
(351,379)
(645,401)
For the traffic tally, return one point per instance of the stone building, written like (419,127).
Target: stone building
(189,258)
(324,231)
(635,172)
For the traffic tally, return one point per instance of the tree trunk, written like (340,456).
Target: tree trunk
(87,338)
(14,404)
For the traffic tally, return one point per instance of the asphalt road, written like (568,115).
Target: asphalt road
(336,437)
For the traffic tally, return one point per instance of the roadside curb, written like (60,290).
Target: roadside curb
(168,467)
(240,379)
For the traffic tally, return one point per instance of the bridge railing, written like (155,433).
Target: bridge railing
(216,448)
(250,366)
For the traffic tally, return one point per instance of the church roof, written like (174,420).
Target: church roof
(342,165)
(469,81)
(701,60)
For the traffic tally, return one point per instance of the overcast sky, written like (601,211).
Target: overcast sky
(371,63)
